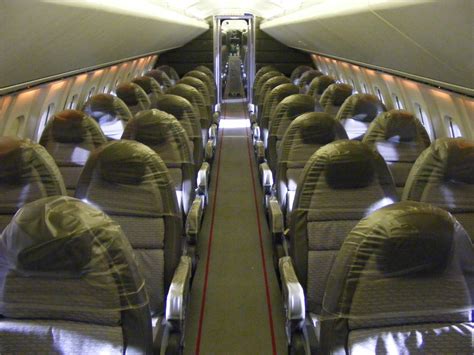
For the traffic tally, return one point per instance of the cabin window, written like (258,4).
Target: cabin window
(397,103)
(45,118)
(423,117)
(354,86)
(104,89)
(453,128)
(379,94)
(73,102)
(365,89)
(16,126)
(91,92)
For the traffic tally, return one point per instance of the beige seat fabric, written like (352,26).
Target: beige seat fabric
(151,87)
(134,97)
(334,96)
(161,77)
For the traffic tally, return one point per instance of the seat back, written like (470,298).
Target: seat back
(443,175)
(131,183)
(269,85)
(334,96)
(306,78)
(171,72)
(197,100)
(27,173)
(207,71)
(199,85)
(134,97)
(110,112)
(286,111)
(297,72)
(161,77)
(319,84)
(184,112)
(69,137)
(341,183)
(263,70)
(305,135)
(69,283)
(163,133)
(151,87)
(357,112)
(400,138)
(206,79)
(403,283)
(262,80)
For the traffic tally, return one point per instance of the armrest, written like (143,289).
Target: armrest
(260,152)
(203,181)
(253,118)
(209,151)
(216,117)
(256,133)
(213,132)
(178,294)
(293,296)
(193,221)
(275,216)
(267,178)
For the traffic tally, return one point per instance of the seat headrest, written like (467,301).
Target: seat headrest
(184,90)
(68,126)
(197,74)
(298,104)
(339,92)
(175,105)
(269,75)
(460,158)
(420,244)
(205,70)
(192,81)
(299,70)
(159,75)
(277,80)
(284,90)
(101,102)
(145,82)
(129,93)
(350,164)
(170,71)
(321,83)
(123,162)
(366,107)
(309,75)
(318,128)
(150,127)
(11,160)
(400,123)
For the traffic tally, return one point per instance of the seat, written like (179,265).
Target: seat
(163,133)
(402,283)
(161,77)
(191,94)
(134,97)
(443,175)
(184,112)
(400,138)
(286,111)
(266,88)
(305,135)
(357,112)
(69,137)
(130,182)
(297,72)
(319,84)
(341,183)
(334,96)
(151,87)
(262,80)
(70,283)
(27,173)
(205,78)
(306,78)
(272,100)
(171,72)
(110,112)
(207,71)
(201,86)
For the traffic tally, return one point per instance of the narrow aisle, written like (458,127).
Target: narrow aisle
(235,308)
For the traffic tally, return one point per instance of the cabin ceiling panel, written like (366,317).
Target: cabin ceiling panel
(426,38)
(42,39)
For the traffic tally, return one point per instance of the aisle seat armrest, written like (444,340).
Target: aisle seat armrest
(216,117)
(178,293)
(256,133)
(213,132)
(276,221)
(193,220)
(266,178)
(293,295)
(209,151)
(202,182)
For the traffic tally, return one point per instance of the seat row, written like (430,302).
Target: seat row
(354,275)
(153,188)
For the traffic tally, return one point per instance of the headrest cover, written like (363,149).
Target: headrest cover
(193,81)
(350,164)
(401,124)
(298,71)
(422,246)
(170,71)
(298,104)
(145,82)
(284,90)
(336,94)
(184,90)
(308,76)
(123,162)
(205,70)
(151,127)
(105,108)
(161,77)
(318,128)
(319,84)
(361,107)
(68,126)
(127,92)
(199,75)
(175,105)
(460,156)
